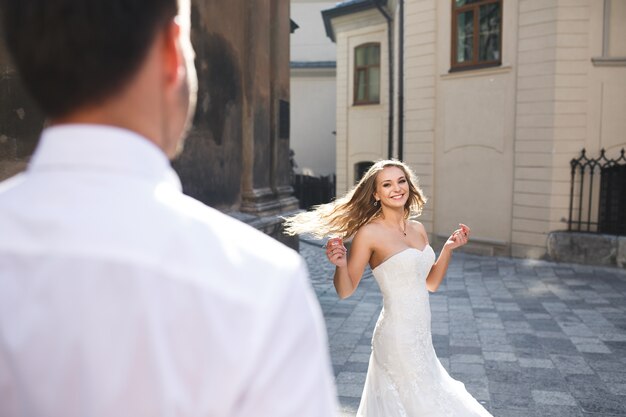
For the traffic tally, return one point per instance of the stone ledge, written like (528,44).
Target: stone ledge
(11,168)
(587,248)
(476,246)
(271,225)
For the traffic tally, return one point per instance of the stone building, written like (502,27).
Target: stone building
(20,120)
(237,155)
(488,101)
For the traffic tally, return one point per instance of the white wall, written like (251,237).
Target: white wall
(309,42)
(313,97)
(313,121)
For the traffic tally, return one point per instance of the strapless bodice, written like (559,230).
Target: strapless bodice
(403,275)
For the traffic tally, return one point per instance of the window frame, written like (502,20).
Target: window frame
(361,167)
(474,63)
(606,59)
(367,100)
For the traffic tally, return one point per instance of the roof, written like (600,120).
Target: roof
(313,64)
(345,8)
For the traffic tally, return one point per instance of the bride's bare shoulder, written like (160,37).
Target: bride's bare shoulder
(369,231)
(365,237)
(419,227)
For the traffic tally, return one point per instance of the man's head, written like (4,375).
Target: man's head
(126,62)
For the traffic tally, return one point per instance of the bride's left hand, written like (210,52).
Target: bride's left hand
(458,238)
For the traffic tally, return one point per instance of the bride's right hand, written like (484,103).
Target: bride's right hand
(336,252)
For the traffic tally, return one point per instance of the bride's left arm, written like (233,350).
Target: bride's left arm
(438,271)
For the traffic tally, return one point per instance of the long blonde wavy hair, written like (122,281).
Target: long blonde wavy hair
(346,215)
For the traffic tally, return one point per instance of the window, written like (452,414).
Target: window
(367,74)
(614,31)
(612,212)
(360,168)
(283,119)
(476,34)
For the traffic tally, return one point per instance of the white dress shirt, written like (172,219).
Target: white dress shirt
(120,296)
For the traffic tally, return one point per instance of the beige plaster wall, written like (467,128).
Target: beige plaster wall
(552,116)
(361,130)
(368,124)
(535,127)
(420,92)
(492,146)
(474,149)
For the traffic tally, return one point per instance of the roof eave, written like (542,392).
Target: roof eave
(346,9)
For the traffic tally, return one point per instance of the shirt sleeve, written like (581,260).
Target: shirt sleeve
(293,376)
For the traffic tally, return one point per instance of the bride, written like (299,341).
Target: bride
(404,377)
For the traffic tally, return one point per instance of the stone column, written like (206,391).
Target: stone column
(237,157)
(211,165)
(266,183)
(21,121)
(266,190)
(280,75)
(257,195)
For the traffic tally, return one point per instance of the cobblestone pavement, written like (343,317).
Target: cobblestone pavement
(528,338)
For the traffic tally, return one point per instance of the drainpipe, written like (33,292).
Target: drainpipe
(401,83)
(390,53)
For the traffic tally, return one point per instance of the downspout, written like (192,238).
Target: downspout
(390,54)
(401,83)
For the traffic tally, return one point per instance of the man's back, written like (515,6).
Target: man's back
(121,296)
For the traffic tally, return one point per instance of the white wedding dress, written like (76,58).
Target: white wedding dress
(404,377)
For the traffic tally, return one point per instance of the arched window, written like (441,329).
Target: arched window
(360,168)
(476,34)
(367,74)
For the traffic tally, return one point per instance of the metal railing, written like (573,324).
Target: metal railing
(598,187)
(312,191)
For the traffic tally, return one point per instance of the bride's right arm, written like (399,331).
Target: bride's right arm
(348,272)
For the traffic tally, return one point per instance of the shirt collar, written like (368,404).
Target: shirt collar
(101,148)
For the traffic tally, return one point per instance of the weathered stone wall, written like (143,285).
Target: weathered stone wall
(20,120)
(587,248)
(211,165)
(235,157)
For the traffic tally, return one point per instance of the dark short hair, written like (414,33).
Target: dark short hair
(72,53)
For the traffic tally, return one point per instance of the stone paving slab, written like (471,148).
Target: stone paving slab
(527,338)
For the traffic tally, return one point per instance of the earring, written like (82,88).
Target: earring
(375,203)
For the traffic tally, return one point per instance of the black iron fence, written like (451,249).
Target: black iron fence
(314,190)
(598,194)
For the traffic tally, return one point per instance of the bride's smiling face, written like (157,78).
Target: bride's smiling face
(392,187)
